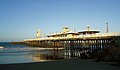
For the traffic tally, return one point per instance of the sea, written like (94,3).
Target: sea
(19,53)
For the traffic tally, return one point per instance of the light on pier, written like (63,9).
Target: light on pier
(107,30)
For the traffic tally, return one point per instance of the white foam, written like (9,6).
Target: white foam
(1,47)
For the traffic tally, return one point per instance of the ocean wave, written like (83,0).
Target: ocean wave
(14,51)
(1,47)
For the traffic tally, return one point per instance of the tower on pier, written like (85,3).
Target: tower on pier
(65,29)
(38,34)
(88,27)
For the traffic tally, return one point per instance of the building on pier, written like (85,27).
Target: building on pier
(69,34)
(88,31)
(65,33)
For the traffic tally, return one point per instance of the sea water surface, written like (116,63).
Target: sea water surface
(19,53)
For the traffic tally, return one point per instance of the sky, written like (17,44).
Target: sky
(20,19)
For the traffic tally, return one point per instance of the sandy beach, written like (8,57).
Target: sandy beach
(70,64)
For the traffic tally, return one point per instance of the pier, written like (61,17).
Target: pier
(75,43)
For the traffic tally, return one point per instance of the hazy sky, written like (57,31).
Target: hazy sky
(19,19)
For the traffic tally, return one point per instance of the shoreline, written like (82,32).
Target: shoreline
(67,64)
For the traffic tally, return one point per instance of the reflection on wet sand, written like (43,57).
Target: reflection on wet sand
(50,56)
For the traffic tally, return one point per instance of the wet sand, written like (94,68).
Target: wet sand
(70,64)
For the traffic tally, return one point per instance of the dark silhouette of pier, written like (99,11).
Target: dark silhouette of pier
(74,47)
(75,44)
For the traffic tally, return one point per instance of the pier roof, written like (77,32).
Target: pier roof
(89,31)
(60,34)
